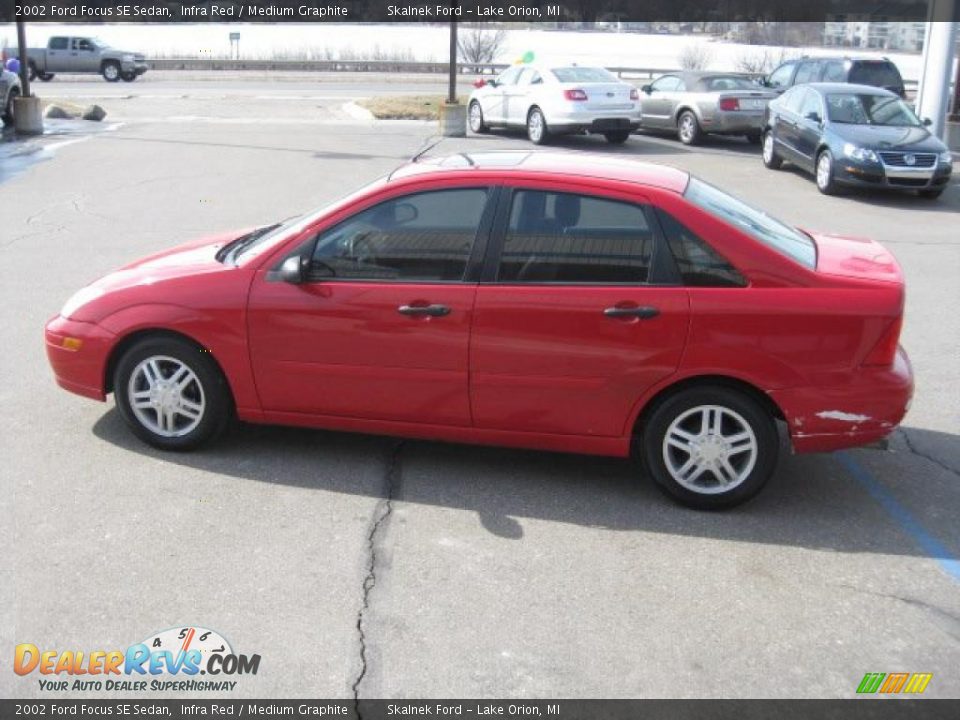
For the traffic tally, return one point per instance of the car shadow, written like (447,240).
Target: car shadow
(812,501)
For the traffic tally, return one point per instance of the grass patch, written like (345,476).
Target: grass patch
(404,107)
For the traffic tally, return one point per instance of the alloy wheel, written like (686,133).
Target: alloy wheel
(166,396)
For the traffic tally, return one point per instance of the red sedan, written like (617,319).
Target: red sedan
(556,301)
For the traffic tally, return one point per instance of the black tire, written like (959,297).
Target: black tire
(46,77)
(754,137)
(769,152)
(32,71)
(932,194)
(617,137)
(536,118)
(110,71)
(688,128)
(475,119)
(128,76)
(8,110)
(214,392)
(826,183)
(739,409)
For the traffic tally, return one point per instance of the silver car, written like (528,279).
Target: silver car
(693,104)
(556,99)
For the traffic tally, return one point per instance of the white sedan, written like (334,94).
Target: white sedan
(556,100)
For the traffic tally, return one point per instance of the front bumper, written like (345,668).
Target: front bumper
(867,406)
(861,174)
(138,67)
(78,353)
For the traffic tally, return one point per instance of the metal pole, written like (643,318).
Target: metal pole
(24,68)
(452,90)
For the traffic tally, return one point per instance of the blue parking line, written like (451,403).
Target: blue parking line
(930,545)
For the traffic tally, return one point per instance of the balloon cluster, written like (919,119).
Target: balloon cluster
(527,57)
(13,65)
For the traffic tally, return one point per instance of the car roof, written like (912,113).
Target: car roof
(520,164)
(696,75)
(849,88)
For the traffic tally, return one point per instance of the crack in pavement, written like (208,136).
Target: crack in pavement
(381,517)
(925,456)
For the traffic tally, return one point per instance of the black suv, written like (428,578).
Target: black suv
(878,73)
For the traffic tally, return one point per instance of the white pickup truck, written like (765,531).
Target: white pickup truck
(65,54)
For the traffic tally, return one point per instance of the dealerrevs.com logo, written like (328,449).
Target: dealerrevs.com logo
(171,661)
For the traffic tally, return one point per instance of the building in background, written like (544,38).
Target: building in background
(843,31)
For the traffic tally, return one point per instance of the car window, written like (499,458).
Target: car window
(807,72)
(527,76)
(834,72)
(878,73)
(583,74)
(568,238)
(82,44)
(699,264)
(668,83)
(810,104)
(714,84)
(421,237)
(781,76)
(862,109)
(58,43)
(510,75)
(794,98)
(762,227)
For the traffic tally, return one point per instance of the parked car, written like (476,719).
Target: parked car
(65,54)
(9,89)
(880,73)
(553,100)
(855,135)
(573,303)
(693,104)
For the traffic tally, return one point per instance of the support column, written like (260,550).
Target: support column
(933,94)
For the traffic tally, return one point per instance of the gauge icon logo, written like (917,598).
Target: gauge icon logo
(186,639)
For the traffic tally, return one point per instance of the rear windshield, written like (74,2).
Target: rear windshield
(713,84)
(768,230)
(582,74)
(878,74)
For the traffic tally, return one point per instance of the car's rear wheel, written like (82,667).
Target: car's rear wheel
(128,76)
(111,71)
(688,129)
(32,71)
(826,183)
(475,118)
(171,393)
(770,157)
(710,447)
(537,131)
(617,137)
(45,77)
(931,194)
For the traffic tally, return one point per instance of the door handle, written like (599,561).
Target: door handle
(431,310)
(644,313)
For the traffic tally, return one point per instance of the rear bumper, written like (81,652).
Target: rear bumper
(594,121)
(863,410)
(78,353)
(733,122)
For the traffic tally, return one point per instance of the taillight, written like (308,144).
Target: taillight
(575,94)
(885,350)
(729,104)
(634,94)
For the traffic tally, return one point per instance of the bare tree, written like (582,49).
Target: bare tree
(480,45)
(761,62)
(695,56)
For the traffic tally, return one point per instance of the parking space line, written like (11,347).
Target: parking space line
(930,545)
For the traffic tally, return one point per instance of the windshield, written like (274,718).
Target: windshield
(258,244)
(583,74)
(853,109)
(770,231)
(99,44)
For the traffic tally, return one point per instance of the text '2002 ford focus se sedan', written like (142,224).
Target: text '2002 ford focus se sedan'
(573,303)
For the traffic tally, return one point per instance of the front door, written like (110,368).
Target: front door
(658,102)
(381,328)
(568,331)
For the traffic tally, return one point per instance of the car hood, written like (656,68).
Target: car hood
(880,137)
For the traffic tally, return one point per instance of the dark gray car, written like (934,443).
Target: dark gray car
(693,104)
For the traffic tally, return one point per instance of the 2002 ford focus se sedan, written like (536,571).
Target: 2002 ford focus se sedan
(563,302)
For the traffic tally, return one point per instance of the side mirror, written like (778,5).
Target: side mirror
(647,89)
(928,122)
(813,117)
(292,270)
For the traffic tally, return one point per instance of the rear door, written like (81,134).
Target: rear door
(809,130)
(570,328)
(380,329)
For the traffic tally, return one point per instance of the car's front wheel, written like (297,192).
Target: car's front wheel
(710,447)
(171,393)
(617,137)
(475,118)
(826,183)
(537,130)
(128,76)
(770,157)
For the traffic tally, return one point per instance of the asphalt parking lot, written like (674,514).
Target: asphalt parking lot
(360,564)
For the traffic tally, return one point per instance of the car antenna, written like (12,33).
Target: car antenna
(425,148)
